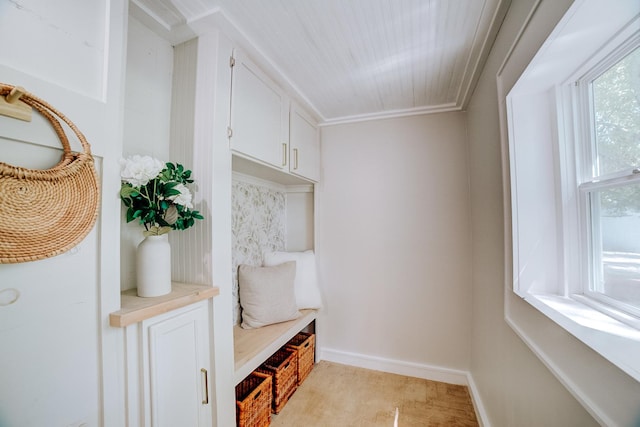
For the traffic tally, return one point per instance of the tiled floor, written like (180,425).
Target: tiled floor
(338,395)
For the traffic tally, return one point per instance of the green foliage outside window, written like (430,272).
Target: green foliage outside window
(616,96)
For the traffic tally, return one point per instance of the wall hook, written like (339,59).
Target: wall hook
(11,106)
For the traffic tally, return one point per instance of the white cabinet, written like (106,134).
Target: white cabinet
(265,128)
(177,368)
(167,356)
(259,124)
(304,145)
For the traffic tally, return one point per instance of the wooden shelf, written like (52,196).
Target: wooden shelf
(136,309)
(253,346)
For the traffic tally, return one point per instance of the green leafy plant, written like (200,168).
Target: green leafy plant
(156,194)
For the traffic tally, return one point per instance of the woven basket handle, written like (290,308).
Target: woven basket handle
(52,115)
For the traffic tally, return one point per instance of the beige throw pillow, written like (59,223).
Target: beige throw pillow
(267,294)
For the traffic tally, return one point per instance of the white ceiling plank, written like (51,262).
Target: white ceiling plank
(357,58)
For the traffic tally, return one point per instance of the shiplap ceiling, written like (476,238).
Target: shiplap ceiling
(354,59)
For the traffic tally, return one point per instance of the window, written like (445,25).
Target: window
(573,122)
(611,184)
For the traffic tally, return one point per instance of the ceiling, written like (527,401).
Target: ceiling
(351,60)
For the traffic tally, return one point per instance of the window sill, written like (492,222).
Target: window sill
(616,341)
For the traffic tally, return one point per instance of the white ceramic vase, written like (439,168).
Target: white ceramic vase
(153,266)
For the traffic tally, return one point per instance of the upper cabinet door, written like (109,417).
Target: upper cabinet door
(304,145)
(259,115)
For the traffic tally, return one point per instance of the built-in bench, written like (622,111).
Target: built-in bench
(254,346)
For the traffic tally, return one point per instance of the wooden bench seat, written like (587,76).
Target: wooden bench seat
(253,346)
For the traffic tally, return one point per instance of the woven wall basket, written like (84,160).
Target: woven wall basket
(44,213)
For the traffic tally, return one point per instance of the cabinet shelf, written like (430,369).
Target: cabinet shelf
(136,309)
(253,346)
(251,167)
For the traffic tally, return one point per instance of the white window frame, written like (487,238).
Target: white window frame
(550,219)
(580,98)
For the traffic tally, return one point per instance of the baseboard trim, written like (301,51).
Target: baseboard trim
(417,370)
(481,413)
(428,372)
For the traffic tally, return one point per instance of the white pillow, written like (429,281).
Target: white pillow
(267,295)
(306,281)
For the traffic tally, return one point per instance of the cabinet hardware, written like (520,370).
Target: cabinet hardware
(229,132)
(284,154)
(206,386)
(295,159)
(232,61)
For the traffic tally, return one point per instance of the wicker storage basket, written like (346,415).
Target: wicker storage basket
(253,401)
(283,367)
(304,345)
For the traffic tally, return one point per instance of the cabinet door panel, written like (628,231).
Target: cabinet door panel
(305,146)
(257,109)
(177,353)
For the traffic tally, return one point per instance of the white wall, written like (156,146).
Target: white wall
(394,242)
(515,386)
(60,363)
(147,114)
(300,220)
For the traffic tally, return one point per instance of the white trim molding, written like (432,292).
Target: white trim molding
(478,405)
(400,367)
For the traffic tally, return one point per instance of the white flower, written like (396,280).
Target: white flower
(184,198)
(139,170)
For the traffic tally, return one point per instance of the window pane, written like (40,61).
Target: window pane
(616,95)
(616,240)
